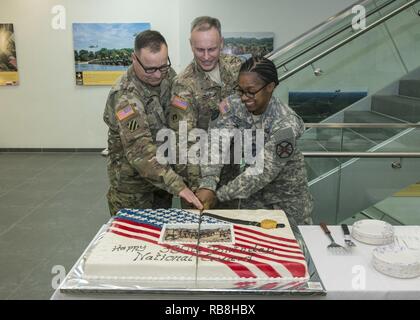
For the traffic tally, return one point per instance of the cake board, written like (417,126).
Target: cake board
(75,284)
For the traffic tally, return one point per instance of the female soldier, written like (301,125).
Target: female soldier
(282,184)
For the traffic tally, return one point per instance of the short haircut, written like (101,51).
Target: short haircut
(205,23)
(264,67)
(149,39)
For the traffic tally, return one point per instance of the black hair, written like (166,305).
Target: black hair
(149,39)
(264,67)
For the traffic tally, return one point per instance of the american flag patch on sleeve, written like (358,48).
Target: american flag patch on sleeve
(223,106)
(179,103)
(125,112)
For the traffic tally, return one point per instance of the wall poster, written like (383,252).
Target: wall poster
(8,64)
(248,44)
(102,51)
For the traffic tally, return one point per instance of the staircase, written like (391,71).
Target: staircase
(332,178)
(334,57)
(403,107)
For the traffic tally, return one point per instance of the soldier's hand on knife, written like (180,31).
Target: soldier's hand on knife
(207,197)
(190,197)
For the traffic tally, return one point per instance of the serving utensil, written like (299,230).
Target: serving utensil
(347,239)
(334,247)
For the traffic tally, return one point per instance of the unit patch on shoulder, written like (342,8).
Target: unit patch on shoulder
(179,103)
(284,149)
(133,125)
(125,112)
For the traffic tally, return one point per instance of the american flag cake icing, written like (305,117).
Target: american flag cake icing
(167,244)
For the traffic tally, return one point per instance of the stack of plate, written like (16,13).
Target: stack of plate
(397,261)
(375,232)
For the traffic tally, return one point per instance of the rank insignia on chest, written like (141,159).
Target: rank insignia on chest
(133,125)
(284,149)
(179,103)
(125,112)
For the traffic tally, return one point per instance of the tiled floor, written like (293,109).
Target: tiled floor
(51,206)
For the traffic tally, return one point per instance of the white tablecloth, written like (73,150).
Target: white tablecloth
(344,276)
(353,276)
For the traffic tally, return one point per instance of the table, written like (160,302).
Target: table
(353,276)
(344,276)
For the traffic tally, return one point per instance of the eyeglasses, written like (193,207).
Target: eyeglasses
(165,68)
(249,94)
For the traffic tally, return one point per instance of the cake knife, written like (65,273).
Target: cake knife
(245,222)
(200,215)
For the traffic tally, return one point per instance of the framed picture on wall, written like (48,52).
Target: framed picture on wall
(102,51)
(248,44)
(8,63)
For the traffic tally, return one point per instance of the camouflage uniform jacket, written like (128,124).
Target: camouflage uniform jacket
(195,99)
(134,113)
(283,180)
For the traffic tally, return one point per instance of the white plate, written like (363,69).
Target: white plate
(397,261)
(373,232)
(373,228)
(373,241)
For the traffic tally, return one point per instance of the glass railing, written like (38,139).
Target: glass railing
(401,208)
(350,171)
(333,65)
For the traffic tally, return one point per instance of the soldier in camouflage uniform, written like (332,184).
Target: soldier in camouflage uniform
(134,112)
(198,90)
(282,184)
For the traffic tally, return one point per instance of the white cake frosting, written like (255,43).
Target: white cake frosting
(144,244)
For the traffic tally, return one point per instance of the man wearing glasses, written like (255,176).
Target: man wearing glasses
(198,90)
(134,113)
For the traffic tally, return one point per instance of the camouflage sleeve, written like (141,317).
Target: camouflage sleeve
(182,106)
(130,120)
(270,161)
(221,127)
(296,123)
(182,118)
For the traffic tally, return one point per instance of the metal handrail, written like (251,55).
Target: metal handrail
(347,40)
(362,125)
(329,154)
(315,154)
(315,30)
(273,55)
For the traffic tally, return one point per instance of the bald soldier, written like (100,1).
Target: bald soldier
(198,90)
(134,113)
